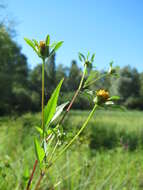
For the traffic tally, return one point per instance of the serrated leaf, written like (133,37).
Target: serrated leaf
(31,44)
(40,154)
(50,108)
(59,110)
(48,40)
(114,98)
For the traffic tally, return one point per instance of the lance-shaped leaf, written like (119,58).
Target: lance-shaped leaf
(92,58)
(40,154)
(114,98)
(59,110)
(56,47)
(40,130)
(50,108)
(31,44)
(81,56)
(47,40)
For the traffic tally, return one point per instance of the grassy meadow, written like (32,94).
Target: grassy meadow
(108,154)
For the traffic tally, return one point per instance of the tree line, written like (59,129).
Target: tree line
(20,87)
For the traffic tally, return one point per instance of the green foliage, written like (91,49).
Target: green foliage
(40,154)
(80,167)
(50,108)
(33,45)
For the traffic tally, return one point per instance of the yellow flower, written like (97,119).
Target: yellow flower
(42,44)
(103,94)
(42,48)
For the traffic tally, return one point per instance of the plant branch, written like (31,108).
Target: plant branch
(79,132)
(74,97)
(31,176)
(43,80)
(43,126)
(62,119)
(98,78)
(68,145)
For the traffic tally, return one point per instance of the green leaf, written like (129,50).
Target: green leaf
(109,103)
(35,42)
(88,54)
(81,55)
(59,110)
(40,130)
(58,45)
(50,108)
(114,98)
(92,58)
(93,75)
(26,173)
(31,44)
(53,45)
(40,154)
(48,40)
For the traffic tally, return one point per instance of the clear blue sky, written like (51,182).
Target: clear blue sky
(111,28)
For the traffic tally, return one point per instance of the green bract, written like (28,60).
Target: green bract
(43,49)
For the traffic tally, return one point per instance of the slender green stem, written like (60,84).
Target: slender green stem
(67,146)
(75,95)
(43,126)
(79,132)
(43,79)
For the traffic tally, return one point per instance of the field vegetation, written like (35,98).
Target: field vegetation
(108,154)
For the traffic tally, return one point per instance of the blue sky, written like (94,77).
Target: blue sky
(111,28)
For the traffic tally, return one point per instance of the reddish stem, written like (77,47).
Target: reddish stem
(39,180)
(31,176)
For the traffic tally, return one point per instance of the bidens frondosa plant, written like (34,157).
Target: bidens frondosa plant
(47,146)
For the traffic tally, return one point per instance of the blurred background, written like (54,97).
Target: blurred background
(112,29)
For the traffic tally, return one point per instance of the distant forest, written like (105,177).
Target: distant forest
(20,87)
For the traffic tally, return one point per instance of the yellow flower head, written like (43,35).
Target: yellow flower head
(42,44)
(103,94)
(42,48)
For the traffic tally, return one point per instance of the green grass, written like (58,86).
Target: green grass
(108,154)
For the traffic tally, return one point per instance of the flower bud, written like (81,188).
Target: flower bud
(42,48)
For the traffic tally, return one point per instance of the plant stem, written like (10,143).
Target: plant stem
(39,180)
(62,119)
(98,78)
(31,176)
(68,145)
(43,126)
(79,132)
(75,95)
(43,79)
